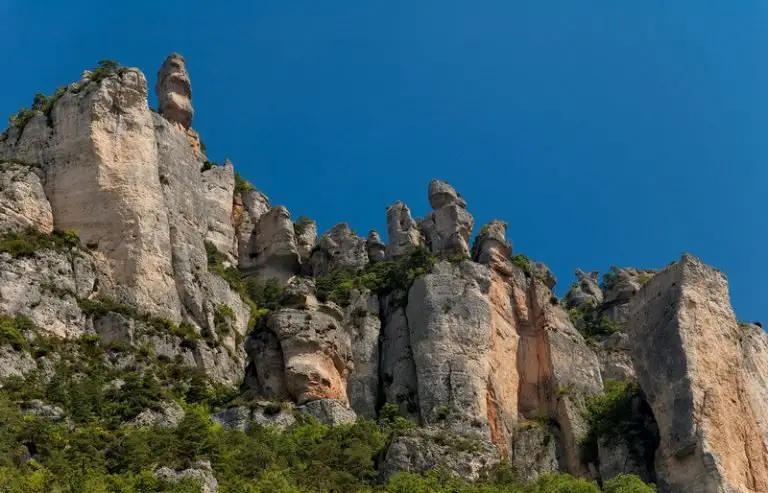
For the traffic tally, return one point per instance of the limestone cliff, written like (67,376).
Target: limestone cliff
(114,225)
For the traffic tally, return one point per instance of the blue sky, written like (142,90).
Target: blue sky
(604,133)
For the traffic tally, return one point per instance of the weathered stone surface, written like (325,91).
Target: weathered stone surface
(218,190)
(266,371)
(328,411)
(429,449)
(169,416)
(102,181)
(621,284)
(541,272)
(38,408)
(44,288)
(397,367)
(442,194)
(263,413)
(362,323)
(316,352)
(273,246)
(15,363)
(174,91)
(533,451)
(200,472)
(491,244)
(618,457)
(615,358)
(687,351)
(306,236)
(249,206)
(340,247)
(585,291)
(375,248)
(23,203)
(402,231)
(447,230)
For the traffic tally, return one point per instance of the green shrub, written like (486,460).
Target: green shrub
(12,331)
(29,242)
(591,324)
(104,69)
(223,316)
(627,483)
(619,413)
(523,262)
(241,184)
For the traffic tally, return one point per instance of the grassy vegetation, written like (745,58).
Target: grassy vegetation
(29,242)
(12,331)
(390,276)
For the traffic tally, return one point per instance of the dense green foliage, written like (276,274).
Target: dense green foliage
(591,323)
(29,242)
(12,331)
(627,483)
(389,276)
(620,413)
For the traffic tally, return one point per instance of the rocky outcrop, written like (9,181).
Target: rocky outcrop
(308,339)
(491,244)
(262,413)
(273,246)
(402,231)
(249,207)
(429,449)
(328,411)
(200,473)
(448,228)
(585,292)
(687,349)
(533,450)
(168,416)
(340,247)
(218,190)
(375,248)
(620,285)
(23,204)
(306,236)
(397,370)
(174,91)
(362,324)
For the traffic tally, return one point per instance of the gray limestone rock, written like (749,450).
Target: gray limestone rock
(491,243)
(15,363)
(218,187)
(174,91)
(23,203)
(249,206)
(541,272)
(328,411)
(402,231)
(168,416)
(306,236)
(201,472)
(621,284)
(375,248)
(533,451)
(266,372)
(262,413)
(362,323)
(397,368)
(447,230)
(427,449)
(273,246)
(442,194)
(340,247)
(688,353)
(585,292)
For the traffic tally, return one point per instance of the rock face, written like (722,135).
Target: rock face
(306,236)
(328,411)
(340,247)
(711,430)
(363,325)
(375,248)
(200,472)
(23,203)
(248,208)
(273,246)
(491,244)
(174,91)
(218,190)
(402,230)
(585,292)
(447,229)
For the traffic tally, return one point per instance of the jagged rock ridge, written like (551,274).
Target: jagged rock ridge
(466,341)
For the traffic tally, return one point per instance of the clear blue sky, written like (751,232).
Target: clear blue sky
(603,132)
